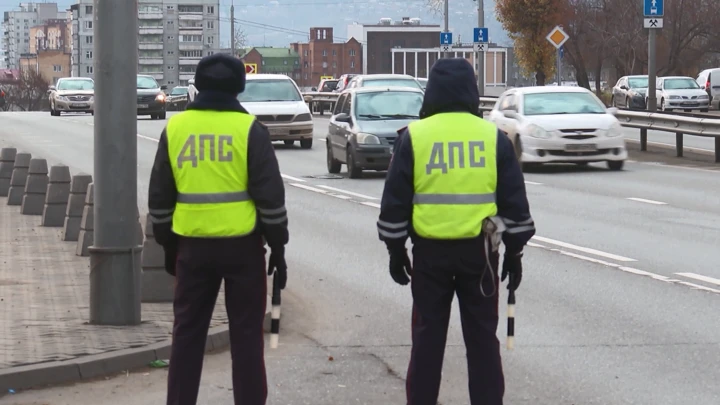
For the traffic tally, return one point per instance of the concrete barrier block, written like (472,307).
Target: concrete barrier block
(36,186)
(85,236)
(19,178)
(7,162)
(157,284)
(75,206)
(56,196)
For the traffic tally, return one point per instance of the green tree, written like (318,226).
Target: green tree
(528,22)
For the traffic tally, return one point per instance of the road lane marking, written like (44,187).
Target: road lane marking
(371,204)
(593,252)
(285,176)
(642,200)
(700,277)
(309,188)
(533,183)
(339,190)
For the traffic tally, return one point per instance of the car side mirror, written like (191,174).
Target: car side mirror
(308,99)
(163,87)
(342,117)
(513,115)
(612,110)
(623,87)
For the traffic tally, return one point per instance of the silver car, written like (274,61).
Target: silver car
(72,94)
(681,93)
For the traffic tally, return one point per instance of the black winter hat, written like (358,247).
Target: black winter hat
(220,72)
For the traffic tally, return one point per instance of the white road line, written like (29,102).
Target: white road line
(306,187)
(148,138)
(339,190)
(533,183)
(700,278)
(537,245)
(340,196)
(322,139)
(584,249)
(642,200)
(285,176)
(699,287)
(370,204)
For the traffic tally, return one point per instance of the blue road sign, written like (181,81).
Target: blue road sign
(446,38)
(654,8)
(562,52)
(480,35)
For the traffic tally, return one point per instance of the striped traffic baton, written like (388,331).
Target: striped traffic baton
(275,313)
(511,318)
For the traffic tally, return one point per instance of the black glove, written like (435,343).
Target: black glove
(512,266)
(400,266)
(277,264)
(170,259)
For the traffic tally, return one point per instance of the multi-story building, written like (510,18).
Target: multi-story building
(173,35)
(321,56)
(379,39)
(3,62)
(16,28)
(50,50)
(284,61)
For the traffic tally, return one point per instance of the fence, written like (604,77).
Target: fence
(681,124)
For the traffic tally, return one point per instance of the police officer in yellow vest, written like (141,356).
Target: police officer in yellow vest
(453,186)
(215,197)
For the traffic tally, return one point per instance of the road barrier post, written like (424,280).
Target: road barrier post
(36,186)
(18,179)
(7,162)
(56,196)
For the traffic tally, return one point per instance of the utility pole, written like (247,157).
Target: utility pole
(481,54)
(447,24)
(232,28)
(115,252)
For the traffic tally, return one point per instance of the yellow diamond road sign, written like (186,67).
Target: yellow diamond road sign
(557,37)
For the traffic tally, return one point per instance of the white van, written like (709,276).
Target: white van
(709,80)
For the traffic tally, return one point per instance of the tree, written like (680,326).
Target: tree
(240,41)
(528,22)
(30,92)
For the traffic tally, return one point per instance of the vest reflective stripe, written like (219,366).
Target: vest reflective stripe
(455,175)
(208,155)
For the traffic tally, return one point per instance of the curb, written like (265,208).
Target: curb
(100,365)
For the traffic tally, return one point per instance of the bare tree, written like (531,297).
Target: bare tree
(241,41)
(30,93)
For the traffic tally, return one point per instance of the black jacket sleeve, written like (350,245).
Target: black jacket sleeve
(512,202)
(162,194)
(396,205)
(266,187)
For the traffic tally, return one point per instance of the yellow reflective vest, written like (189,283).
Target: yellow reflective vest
(208,155)
(455,175)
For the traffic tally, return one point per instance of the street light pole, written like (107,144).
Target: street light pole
(115,252)
(446,14)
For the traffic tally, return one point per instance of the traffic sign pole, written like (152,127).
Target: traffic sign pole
(446,13)
(557,37)
(481,54)
(653,11)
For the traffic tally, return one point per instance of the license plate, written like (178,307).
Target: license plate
(78,105)
(142,106)
(582,147)
(278,132)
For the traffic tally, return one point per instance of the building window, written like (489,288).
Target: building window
(305,53)
(334,65)
(305,64)
(88,54)
(211,10)
(352,64)
(89,69)
(191,54)
(88,25)
(190,9)
(211,24)
(191,38)
(297,63)
(210,40)
(262,62)
(305,76)
(57,68)
(334,52)
(285,62)
(324,65)
(89,39)
(352,52)
(324,52)
(88,10)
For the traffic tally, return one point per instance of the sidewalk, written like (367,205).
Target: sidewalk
(44,298)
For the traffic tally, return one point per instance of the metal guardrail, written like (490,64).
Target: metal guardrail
(680,123)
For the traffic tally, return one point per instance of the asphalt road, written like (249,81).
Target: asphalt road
(603,315)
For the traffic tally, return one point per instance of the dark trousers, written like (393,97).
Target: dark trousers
(439,274)
(202,264)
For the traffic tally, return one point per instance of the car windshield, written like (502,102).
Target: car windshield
(264,90)
(147,83)
(76,85)
(391,83)
(388,105)
(680,84)
(638,83)
(561,103)
(179,90)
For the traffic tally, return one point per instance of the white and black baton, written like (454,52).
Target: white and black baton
(511,319)
(275,313)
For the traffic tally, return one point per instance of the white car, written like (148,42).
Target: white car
(681,93)
(277,103)
(560,124)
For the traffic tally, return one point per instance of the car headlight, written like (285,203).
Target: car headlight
(304,117)
(160,98)
(703,97)
(92,98)
(62,98)
(613,131)
(367,139)
(537,132)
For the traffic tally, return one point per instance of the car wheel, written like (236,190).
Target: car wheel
(353,171)
(615,165)
(289,142)
(333,165)
(162,115)
(306,143)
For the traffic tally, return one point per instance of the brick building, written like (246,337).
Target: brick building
(322,56)
(379,40)
(50,50)
(284,61)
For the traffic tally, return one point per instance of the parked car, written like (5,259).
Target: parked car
(423,82)
(72,94)
(275,100)
(681,93)
(560,124)
(343,81)
(630,92)
(709,80)
(151,98)
(326,86)
(364,125)
(177,100)
(384,80)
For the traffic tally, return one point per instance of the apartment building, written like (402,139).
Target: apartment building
(3,63)
(173,35)
(50,50)
(17,25)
